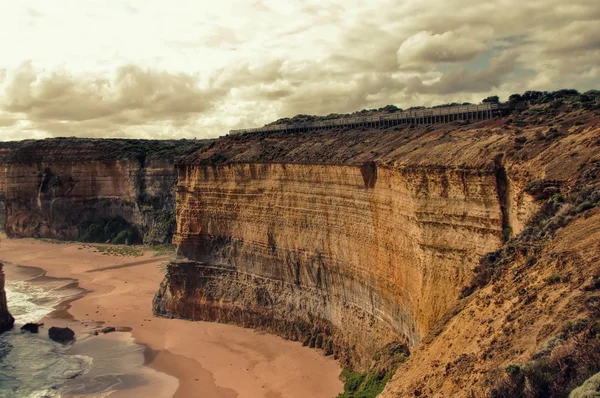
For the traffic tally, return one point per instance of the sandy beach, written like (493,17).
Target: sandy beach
(183,358)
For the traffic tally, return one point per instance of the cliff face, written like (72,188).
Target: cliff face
(368,237)
(361,238)
(58,188)
(374,254)
(6,320)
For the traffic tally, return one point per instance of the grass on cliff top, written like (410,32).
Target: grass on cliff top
(573,97)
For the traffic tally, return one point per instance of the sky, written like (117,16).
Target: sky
(196,69)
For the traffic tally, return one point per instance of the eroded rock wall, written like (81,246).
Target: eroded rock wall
(367,254)
(364,237)
(58,199)
(57,188)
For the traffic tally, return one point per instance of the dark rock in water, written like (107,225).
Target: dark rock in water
(108,329)
(62,335)
(6,320)
(31,327)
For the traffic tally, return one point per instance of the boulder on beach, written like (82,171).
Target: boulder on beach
(108,329)
(31,327)
(62,335)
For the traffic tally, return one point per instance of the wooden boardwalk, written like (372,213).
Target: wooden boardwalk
(416,117)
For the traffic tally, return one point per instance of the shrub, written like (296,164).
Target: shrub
(491,99)
(521,140)
(585,206)
(547,348)
(390,109)
(513,370)
(593,304)
(594,285)
(372,383)
(556,373)
(515,98)
(364,385)
(551,134)
(589,389)
(553,279)
(530,262)
(353,380)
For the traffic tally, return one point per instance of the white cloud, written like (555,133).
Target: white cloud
(425,48)
(198,68)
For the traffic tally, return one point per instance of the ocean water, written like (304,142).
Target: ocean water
(33,366)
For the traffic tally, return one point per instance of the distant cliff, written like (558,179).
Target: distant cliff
(6,320)
(92,190)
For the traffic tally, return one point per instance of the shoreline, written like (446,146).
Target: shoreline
(101,348)
(207,359)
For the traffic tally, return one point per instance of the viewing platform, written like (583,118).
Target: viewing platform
(417,117)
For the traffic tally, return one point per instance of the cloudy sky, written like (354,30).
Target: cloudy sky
(184,69)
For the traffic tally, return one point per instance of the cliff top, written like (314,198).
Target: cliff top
(559,138)
(529,98)
(86,149)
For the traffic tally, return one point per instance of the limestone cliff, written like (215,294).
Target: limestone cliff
(6,320)
(59,188)
(360,238)
(330,245)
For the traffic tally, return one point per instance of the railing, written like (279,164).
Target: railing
(417,116)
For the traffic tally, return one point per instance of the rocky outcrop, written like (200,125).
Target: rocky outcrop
(6,320)
(59,188)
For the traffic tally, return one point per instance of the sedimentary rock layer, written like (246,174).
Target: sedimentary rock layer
(364,237)
(57,188)
(6,320)
(367,253)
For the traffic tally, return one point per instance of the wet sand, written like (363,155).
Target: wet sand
(204,359)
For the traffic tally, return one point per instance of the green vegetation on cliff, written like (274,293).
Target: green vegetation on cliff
(116,231)
(370,384)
